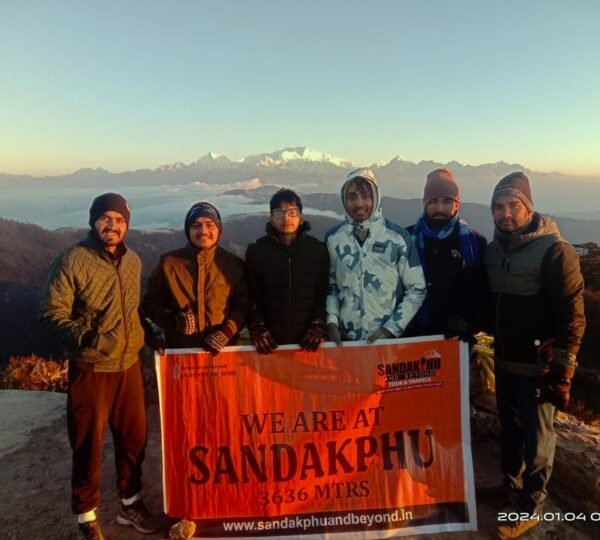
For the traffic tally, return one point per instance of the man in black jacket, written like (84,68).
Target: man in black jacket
(539,322)
(451,254)
(287,274)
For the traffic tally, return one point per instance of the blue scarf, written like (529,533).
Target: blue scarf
(468,246)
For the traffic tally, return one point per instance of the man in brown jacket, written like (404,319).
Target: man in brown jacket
(198,294)
(90,305)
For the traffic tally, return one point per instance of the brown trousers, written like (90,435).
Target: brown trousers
(95,400)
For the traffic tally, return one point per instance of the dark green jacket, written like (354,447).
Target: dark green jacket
(88,290)
(538,295)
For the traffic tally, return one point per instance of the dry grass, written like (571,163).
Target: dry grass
(34,373)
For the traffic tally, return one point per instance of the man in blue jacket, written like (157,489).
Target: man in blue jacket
(376,282)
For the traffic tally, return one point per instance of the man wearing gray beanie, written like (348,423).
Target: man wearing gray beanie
(198,293)
(90,305)
(539,321)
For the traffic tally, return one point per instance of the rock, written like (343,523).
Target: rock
(182,530)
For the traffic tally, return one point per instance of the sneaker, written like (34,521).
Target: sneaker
(90,530)
(515,529)
(138,516)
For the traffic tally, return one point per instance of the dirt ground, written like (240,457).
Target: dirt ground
(34,480)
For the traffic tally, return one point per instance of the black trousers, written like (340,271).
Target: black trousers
(94,401)
(528,438)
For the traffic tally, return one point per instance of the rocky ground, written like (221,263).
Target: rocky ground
(35,472)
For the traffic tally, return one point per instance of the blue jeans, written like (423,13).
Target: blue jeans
(528,438)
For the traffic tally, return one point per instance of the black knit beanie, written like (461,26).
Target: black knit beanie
(517,185)
(109,202)
(201,209)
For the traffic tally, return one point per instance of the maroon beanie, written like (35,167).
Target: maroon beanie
(517,185)
(440,183)
(109,202)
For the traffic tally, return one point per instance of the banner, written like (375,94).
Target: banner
(357,441)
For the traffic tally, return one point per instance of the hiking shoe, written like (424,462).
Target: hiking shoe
(138,516)
(515,529)
(90,530)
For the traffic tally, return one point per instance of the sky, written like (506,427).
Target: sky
(136,84)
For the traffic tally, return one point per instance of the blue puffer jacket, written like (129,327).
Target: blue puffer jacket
(377,284)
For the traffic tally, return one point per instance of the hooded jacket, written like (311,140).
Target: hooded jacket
(88,291)
(377,284)
(538,294)
(209,282)
(288,284)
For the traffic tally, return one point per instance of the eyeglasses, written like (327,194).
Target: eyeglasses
(292,212)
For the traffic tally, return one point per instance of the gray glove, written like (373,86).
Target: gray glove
(333,333)
(380,333)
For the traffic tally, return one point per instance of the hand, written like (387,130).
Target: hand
(333,333)
(185,322)
(154,335)
(555,385)
(158,340)
(458,327)
(105,342)
(262,339)
(380,333)
(314,336)
(215,342)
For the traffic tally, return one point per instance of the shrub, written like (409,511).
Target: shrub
(34,373)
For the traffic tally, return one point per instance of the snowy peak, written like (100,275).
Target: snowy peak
(298,153)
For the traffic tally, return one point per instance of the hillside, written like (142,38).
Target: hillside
(27,251)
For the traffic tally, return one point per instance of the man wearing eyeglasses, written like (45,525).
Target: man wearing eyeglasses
(376,282)
(287,273)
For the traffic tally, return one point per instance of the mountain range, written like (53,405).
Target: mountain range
(311,171)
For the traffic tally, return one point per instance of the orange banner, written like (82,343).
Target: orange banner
(358,440)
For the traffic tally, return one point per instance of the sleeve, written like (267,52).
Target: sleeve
(318,312)
(332,303)
(155,302)
(240,303)
(255,315)
(563,286)
(475,290)
(412,281)
(56,308)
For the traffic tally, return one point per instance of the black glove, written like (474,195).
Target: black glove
(314,336)
(333,333)
(215,342)
(458,327)
(156,337)
(185,322)
(555,385)
(262,339)
(380,333)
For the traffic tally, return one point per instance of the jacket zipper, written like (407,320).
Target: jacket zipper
(125,325)
(290,311)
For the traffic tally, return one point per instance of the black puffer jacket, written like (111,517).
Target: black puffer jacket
(538,295)
(288,285)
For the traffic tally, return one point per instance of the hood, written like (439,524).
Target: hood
(541,225)
(365,174)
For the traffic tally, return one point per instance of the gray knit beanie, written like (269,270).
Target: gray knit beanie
(517,185)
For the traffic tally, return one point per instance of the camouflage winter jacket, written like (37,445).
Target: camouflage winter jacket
(377,284)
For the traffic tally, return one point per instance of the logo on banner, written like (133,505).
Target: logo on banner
(411,374)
